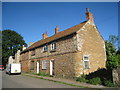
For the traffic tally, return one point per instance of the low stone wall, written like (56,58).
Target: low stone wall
(116,76)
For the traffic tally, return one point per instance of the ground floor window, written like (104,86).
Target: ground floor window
(32,65)
(44,64)
(86,62)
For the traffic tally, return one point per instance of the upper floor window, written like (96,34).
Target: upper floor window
(45,48)
(33,52)
(53,46)
(86,62)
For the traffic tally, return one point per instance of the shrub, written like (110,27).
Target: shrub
(109,83)
(82,78)
(95,81)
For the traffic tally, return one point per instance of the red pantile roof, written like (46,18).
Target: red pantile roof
(56,36)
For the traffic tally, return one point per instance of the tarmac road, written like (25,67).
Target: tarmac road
(19,81)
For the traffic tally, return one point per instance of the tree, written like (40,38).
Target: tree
(118,54)
(114,40)
(11,42)
(112,58)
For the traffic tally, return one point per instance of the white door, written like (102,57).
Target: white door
(38,67)
(51,67)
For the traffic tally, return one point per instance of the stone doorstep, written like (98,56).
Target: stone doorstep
(69,81)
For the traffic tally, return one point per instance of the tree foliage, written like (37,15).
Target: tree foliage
(112,58)
(114,40)
(11,42)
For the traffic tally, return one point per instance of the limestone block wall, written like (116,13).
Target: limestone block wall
(93,46)
(10,60)
(18,56)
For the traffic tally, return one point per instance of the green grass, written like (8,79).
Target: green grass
(42,74)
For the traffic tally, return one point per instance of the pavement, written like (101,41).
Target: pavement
(66,81)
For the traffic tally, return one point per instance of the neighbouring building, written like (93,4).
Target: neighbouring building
(70,53)
(14,59)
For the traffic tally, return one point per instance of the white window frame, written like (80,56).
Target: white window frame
(53,46)
(44,64)
(86,61)
(45,48)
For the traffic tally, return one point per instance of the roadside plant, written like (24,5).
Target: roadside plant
(95,81)
(109,83)
(82,78)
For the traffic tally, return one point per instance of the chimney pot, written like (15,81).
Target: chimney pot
(87,9)
(89,15)
(45,35)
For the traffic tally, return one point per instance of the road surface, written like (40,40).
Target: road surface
(20,81)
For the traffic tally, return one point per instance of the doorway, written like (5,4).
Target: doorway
(38,67)
(52,67)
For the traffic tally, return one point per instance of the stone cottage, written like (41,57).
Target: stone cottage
(70,53)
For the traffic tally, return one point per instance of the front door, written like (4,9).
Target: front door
(52,67)
(38,67)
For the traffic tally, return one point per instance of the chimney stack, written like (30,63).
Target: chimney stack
(89,15)
(56,30)
(45,35)
(23,48)
(31,43)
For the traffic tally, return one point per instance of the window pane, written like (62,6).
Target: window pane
(44,64)
(85,58)
(53,46)
(86,63)
(32,65)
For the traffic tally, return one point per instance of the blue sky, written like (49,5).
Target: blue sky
(32,19)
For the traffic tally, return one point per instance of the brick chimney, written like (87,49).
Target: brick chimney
(56,30)
(45,35)
(89,15)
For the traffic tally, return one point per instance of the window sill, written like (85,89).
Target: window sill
(53,50)
(86,68)
(44,69)
(45,51)
(33,55)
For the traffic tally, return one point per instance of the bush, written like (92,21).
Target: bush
(82,78)
(95,81)
(109,83)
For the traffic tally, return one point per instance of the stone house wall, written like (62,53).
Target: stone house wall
(90,43)
(68,57)
(63,57)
